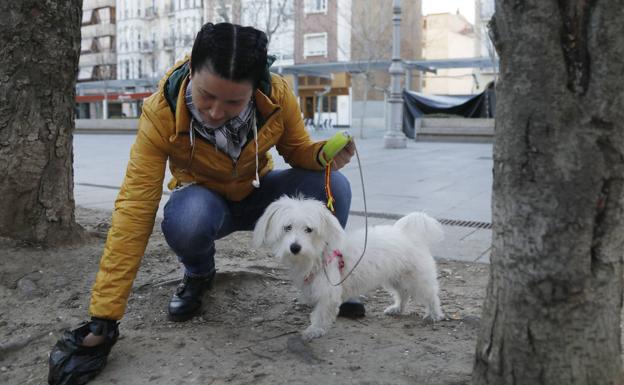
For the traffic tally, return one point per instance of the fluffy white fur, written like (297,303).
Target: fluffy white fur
(397,257)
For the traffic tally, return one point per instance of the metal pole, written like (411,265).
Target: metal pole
(394,137)
(105,102)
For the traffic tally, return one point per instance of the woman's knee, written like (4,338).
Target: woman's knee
(192,218)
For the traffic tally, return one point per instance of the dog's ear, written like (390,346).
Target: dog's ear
(332,231)
(262,234)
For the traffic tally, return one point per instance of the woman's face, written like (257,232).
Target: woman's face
(218,100)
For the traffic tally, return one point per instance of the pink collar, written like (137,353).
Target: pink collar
(329,258)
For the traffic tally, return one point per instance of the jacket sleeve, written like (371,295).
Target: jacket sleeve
(132,223)
(295,145)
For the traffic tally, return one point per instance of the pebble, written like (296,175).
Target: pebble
(4,369)
(257,319)
(27,287)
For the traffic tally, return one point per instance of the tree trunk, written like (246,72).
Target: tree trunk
(38,66)
(553,309)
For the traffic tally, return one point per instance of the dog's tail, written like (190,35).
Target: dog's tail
(421,226)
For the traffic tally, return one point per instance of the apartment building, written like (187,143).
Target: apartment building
(274,17)
(152,35)
(98,47)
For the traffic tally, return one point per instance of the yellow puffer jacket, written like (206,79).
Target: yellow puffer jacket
(164,136)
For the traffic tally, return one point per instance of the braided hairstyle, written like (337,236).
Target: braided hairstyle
(231,51)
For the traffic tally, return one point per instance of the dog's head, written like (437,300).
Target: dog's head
(298,230)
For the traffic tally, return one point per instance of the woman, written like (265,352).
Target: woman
(214,118)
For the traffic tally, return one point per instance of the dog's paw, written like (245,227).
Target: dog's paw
(312,332)
(434,317)
(393,310)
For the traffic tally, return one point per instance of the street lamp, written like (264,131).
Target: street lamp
(394,137)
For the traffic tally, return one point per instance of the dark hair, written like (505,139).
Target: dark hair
(230,51)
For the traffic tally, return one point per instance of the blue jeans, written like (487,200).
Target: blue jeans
(195,216)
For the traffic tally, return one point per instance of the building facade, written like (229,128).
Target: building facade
(152,35)
(149,36)
(448,36)
(329,31)
(98,49)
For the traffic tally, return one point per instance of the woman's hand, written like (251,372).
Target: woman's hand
(344,156)
(91,340)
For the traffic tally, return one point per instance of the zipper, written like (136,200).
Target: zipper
(234,170)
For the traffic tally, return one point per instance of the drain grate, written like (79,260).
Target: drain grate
(471,224)
(447,222)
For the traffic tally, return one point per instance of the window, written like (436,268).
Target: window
(315,44)
(140,69)
(329,103)
(315,6)
(222,13)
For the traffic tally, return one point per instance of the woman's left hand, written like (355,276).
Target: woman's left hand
(344,156)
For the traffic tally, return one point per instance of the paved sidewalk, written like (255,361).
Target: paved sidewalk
(450,181)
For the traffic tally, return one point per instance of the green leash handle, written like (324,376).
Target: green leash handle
(333,146)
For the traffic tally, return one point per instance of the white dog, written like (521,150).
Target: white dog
(308,239)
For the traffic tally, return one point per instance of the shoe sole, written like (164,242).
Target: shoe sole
(181,317)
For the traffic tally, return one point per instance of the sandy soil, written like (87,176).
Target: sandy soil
(248,332)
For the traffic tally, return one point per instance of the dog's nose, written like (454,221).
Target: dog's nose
(295,248)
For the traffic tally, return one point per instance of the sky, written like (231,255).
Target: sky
(466,7)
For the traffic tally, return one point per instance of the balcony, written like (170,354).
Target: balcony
(147,46)
(97,58)
(93,4)
(151,13)
(169,43)
(96,30)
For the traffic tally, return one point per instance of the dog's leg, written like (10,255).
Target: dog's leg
(401,297)
(426,291)
(322,316)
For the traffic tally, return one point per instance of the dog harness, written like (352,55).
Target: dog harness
(329,258)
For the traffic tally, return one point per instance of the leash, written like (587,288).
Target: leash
(330,199)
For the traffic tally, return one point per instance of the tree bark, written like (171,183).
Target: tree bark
(38,67)
(553,309)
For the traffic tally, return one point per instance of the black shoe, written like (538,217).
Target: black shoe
(352,309)
(186,301)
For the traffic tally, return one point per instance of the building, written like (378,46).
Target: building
(274,17)
(97,49)
(152,35)
(448,36)
(329,31)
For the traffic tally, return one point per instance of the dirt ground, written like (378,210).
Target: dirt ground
(247,333)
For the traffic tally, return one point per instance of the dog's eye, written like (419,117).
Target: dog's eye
(307,230)
(287,228)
